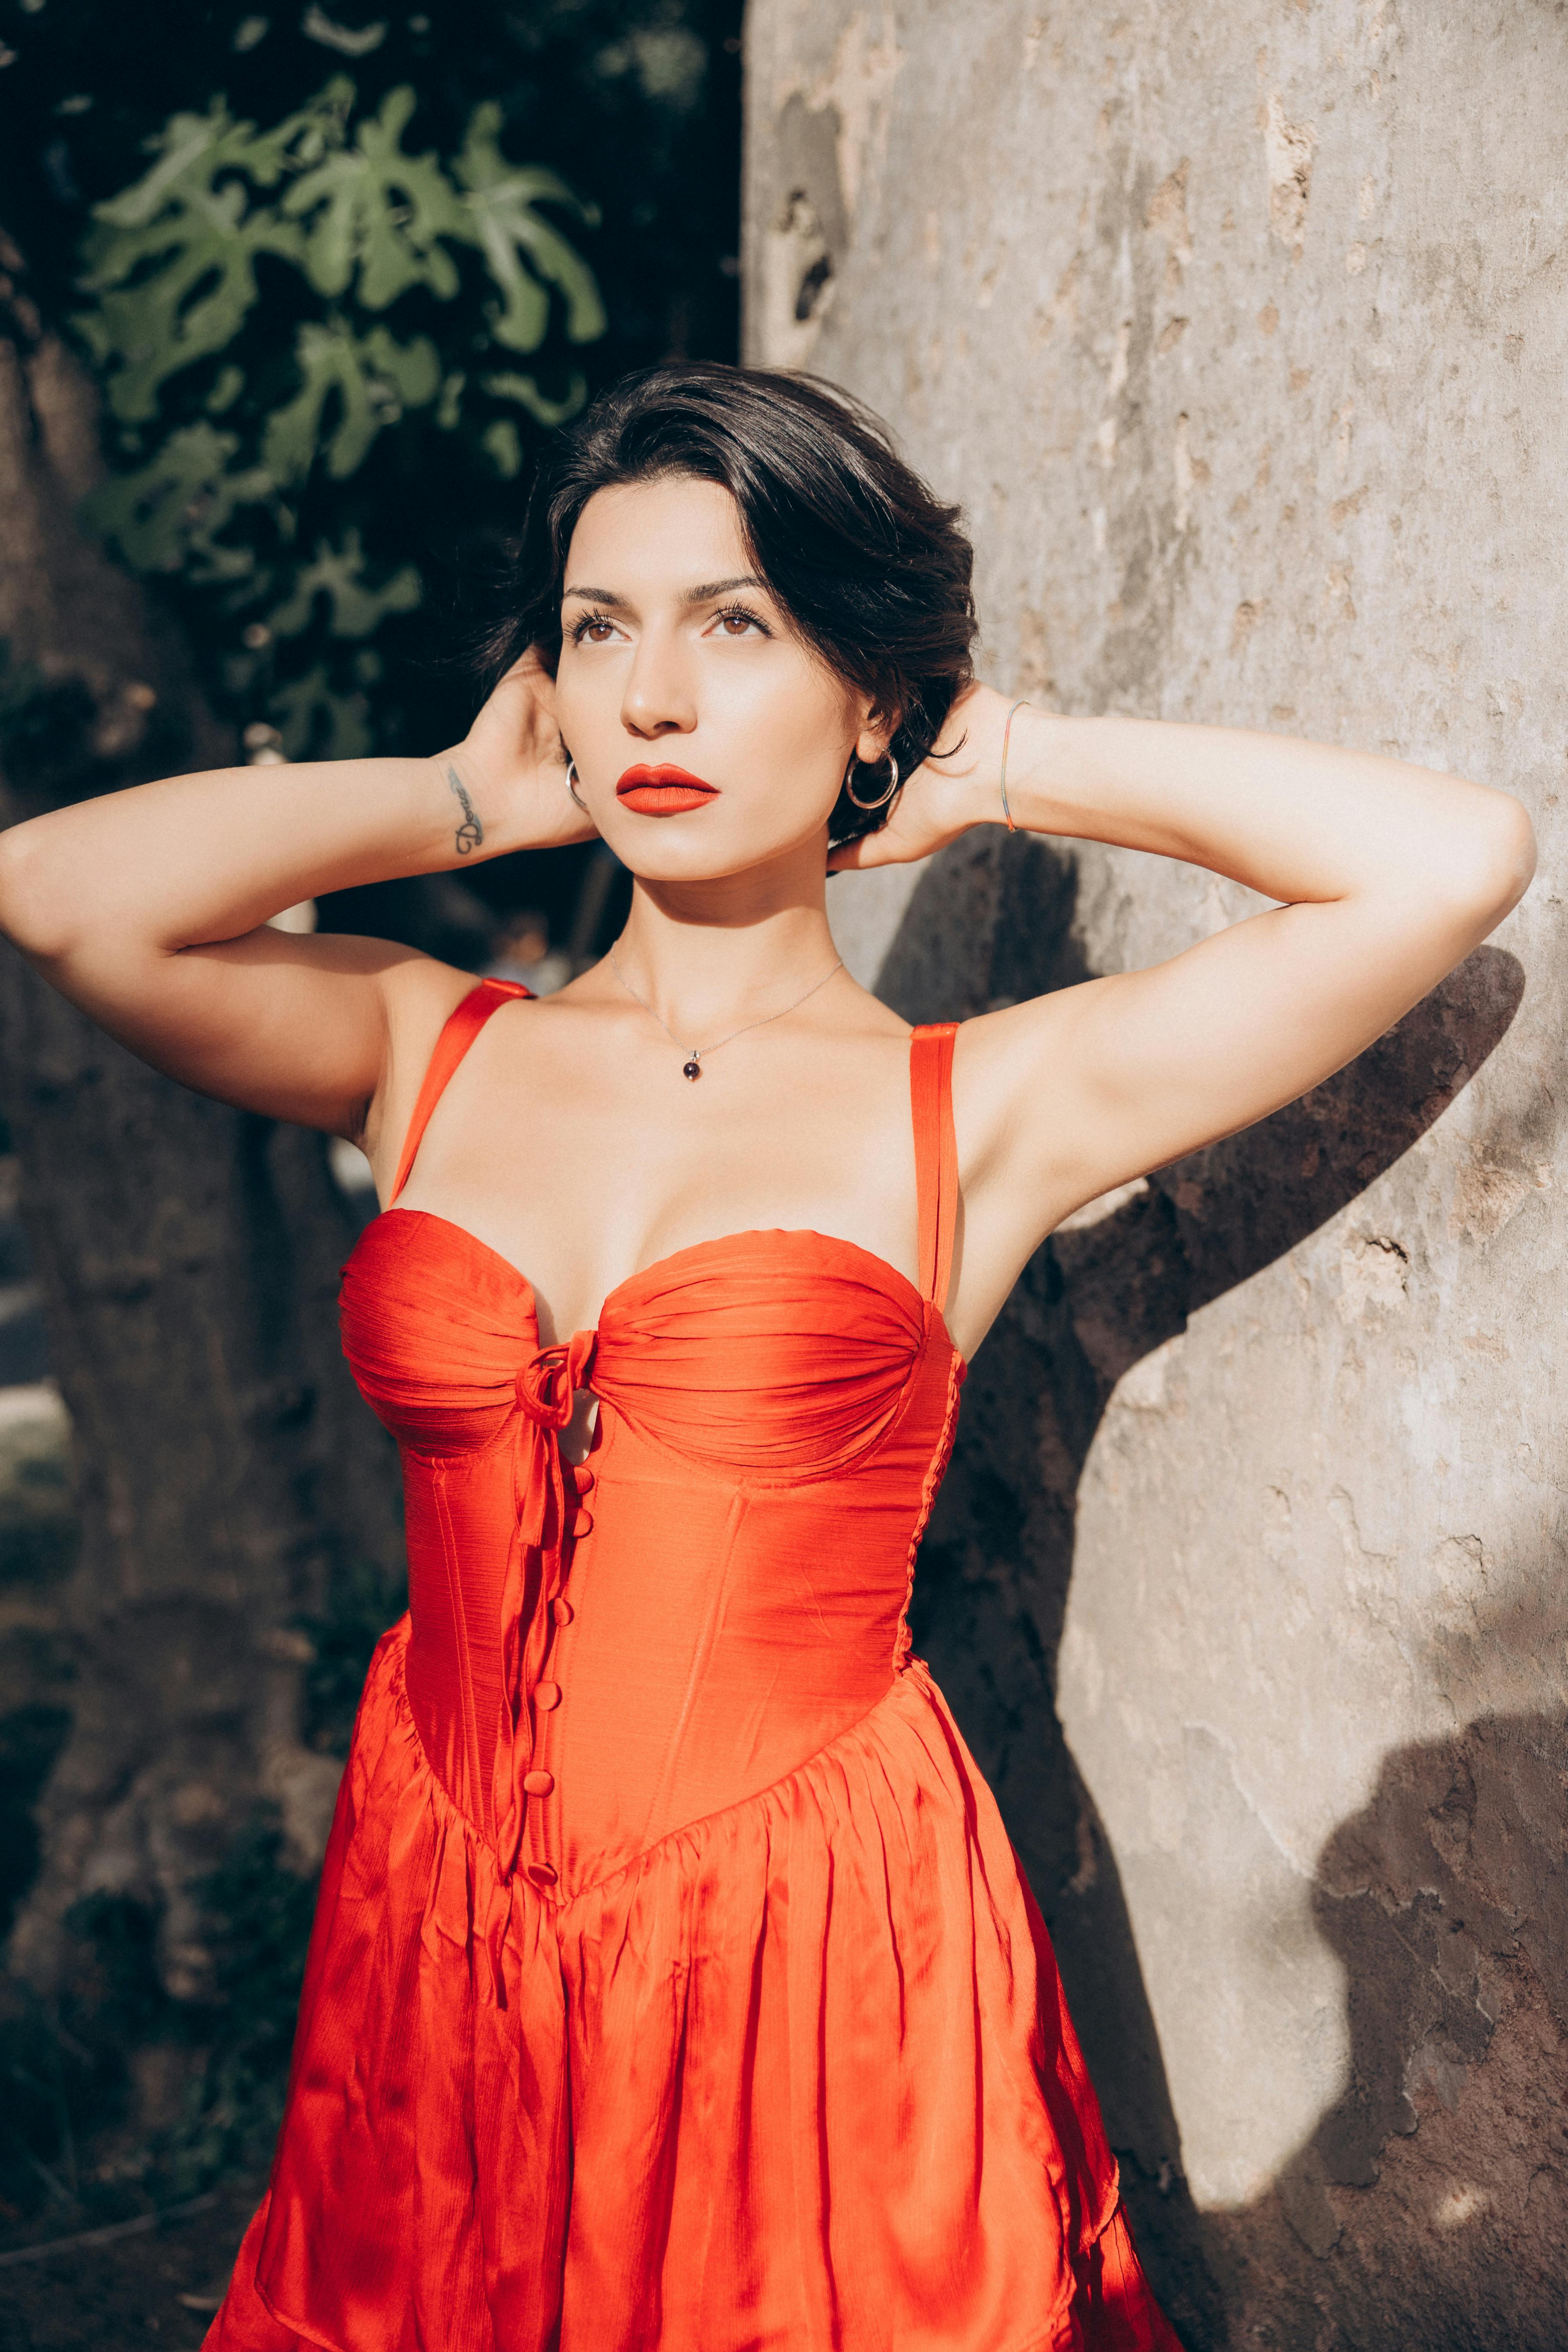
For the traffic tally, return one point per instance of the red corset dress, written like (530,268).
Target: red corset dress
(674,1987)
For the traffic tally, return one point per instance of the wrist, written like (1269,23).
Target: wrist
(459,803)
(1025,785)
(518,803)
(968,762)
(1016,753)
(970,800)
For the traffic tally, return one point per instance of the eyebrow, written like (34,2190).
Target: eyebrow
(700,595)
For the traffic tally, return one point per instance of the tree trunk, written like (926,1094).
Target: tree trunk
(231,1487)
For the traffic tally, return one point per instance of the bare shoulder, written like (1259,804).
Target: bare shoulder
(420,995)
(420,989)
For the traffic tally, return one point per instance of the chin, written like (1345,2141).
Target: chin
(698,848)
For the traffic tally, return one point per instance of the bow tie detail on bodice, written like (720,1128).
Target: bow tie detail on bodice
(547,1390)
(547,1387)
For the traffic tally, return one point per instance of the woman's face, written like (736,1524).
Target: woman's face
(708,737)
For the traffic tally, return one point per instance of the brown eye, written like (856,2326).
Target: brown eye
(739,622)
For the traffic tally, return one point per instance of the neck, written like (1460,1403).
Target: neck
(704,954)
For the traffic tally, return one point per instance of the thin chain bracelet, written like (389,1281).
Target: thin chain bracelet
(1001,779)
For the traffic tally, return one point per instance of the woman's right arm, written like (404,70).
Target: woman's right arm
(149,908)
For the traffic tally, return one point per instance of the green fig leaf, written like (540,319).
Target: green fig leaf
(507,386)
(374,377)
(353,609)
(167,514)
(372,210)
(500,444)
(525,253)
(172,260)
(316,722)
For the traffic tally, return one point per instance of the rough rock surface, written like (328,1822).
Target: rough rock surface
(1240,331)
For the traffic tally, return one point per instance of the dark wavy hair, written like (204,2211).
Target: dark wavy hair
(871,567)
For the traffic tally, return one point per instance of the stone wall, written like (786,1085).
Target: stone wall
(1241,332)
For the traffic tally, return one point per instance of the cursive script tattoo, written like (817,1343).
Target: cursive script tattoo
(470,832)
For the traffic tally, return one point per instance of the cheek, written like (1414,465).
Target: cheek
(783,744)
(790,713)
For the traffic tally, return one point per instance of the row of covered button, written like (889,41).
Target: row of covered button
(547,1692)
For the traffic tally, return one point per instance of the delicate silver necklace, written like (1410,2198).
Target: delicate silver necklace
(692,1065)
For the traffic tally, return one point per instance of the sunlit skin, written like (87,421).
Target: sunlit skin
(568,1140)
(711,678)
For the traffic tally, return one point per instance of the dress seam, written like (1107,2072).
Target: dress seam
(461,1622)
(723,1812)
(936,1470)
(442,1459)
(726,1475)
(913,1673)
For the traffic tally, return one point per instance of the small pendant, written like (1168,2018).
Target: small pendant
(692,1069)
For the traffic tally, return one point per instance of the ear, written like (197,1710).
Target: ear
(541,680)
(878,728)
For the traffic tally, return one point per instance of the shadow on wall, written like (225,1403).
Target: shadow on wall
(995,925)
(1444,1902)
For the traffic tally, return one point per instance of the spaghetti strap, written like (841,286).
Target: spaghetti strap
(936,1154)
(462,1027)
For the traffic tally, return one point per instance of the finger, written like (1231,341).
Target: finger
(871,849)
(846,860)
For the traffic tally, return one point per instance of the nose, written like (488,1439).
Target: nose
(659,697)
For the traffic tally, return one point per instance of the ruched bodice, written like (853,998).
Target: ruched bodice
(674,1987)
(694,1637)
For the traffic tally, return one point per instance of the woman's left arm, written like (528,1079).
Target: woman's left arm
(1387,876)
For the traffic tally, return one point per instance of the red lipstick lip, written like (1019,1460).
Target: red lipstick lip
(663,791)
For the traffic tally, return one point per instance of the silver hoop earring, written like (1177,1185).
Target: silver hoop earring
(572,785)
(883,798)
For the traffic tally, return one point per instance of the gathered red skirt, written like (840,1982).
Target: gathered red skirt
(799,2076)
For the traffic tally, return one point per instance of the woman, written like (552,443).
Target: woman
(673,1982)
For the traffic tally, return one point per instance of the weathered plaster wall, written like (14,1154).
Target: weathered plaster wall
(1241,330)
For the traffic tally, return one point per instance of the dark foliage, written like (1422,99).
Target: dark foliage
(633,103)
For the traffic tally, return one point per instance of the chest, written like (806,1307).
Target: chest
(784,1353)
(581,1176)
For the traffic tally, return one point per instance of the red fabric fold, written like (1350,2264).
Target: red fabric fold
(736,2029)
(800,2076)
